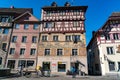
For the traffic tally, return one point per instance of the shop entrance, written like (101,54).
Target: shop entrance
(46,66)
(76,65)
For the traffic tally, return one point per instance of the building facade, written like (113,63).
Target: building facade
(62,39)
(104,48)
(6,25)
(24,42)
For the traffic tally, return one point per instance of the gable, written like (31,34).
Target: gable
(25,17)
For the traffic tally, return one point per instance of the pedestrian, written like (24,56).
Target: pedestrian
(73,72)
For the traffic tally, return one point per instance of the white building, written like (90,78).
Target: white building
(104,48)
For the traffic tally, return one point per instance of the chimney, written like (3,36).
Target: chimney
(54,4)
(12,7)
(67,4)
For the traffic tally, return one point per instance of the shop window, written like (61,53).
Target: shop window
(30,63)
(61,67)
(22,63)
(111,66)
(46,66)
(11,64)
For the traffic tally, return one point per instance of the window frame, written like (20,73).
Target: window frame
(32,51)
(110,50)
(74,52)
(26,26)
(47,52)
(12,51)
(24,39)
(22,51)
(59,52)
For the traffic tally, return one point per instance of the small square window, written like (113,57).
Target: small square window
(12,50)
(17,26)
(35,27)
(22,51)
(26,26)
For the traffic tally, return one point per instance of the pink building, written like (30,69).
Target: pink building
(23,45)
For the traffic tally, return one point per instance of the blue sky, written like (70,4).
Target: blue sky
(97,13)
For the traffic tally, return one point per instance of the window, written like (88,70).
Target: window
(17,26)
(68,38)
(0,60)
(74,52)
(49,25)
(0,30)
(59,52)
(26,26)
(4,19)
(22,63)
(12,51)
(61,67)
(24,39)
(4,45)
(119,66)
(22,51)
(111,66)
(76,38)
(30,63)
(34,39)
(5,31)
(75,24)
(116,36)
(55,38)
(110,50)
(14,38)
(35,26)
(11,64)
(107,36)
(44,38)
(33,51)
(47,52)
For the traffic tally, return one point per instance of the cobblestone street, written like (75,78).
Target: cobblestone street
(65,78)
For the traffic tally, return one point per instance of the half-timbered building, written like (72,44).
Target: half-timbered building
(104,48)
(62,39)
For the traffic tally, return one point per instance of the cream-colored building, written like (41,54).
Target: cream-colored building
(104,48)
(62,42)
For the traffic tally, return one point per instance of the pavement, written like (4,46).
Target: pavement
(61,77)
